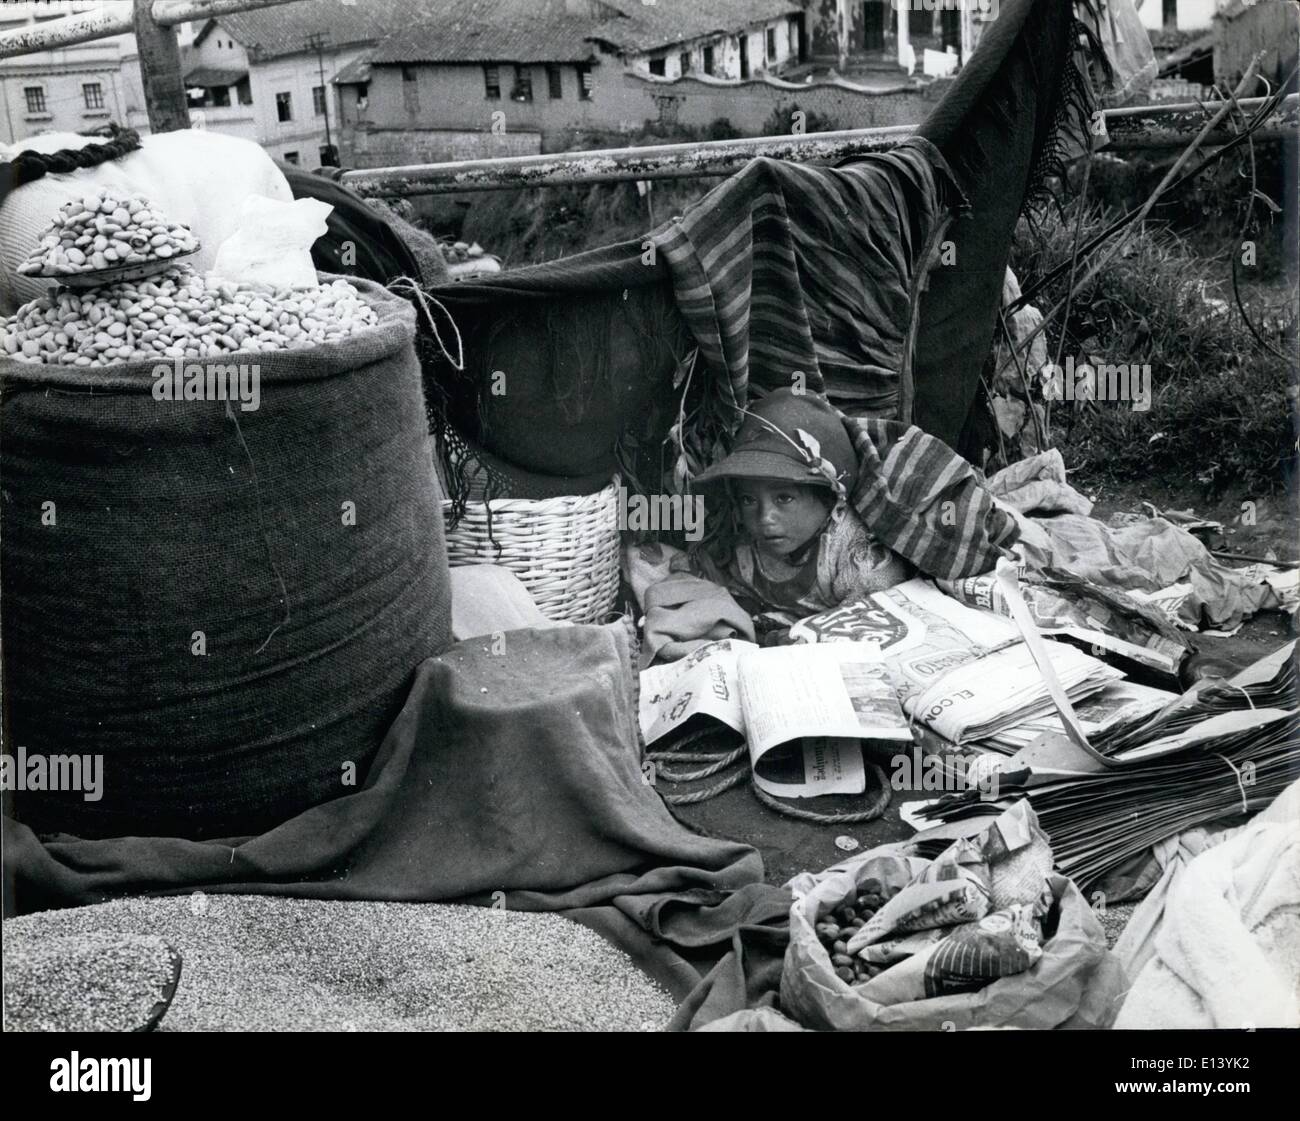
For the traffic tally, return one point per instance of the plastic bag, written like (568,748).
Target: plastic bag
(1076,983)
(273,243)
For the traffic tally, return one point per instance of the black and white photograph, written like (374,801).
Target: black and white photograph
(446,444)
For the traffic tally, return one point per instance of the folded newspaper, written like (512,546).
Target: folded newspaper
(1118,705)
(964,673)
(1110,621)
(804,711)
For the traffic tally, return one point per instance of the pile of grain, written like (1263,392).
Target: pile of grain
(267,964)
(180,314)
(83,981)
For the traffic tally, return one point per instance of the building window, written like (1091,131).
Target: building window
(657,67)
(219,97)
(492,83)
(554,82)
(708,60)
(410,89)
(93,92)
(244,92)
(586,82)
(35,99)
(291,157)
(771,44)
(284,106)
(318,100)
(523,87)
(363,95)
(684,62)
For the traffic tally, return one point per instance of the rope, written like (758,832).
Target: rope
(1241,786)
(734,779)
(704,772)
(878,806)
(718,763)
(420,296)
(27,167)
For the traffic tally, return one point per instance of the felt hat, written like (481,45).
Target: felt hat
(790,437)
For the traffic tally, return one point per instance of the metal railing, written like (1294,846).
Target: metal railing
(1149,127)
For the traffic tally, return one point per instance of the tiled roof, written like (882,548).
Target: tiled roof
(644,27)
(285,28)
(208,76)
(491,31)
(358,70)
(550,31)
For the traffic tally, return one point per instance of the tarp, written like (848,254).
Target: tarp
(513,767)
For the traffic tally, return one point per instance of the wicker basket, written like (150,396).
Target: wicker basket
(564,550)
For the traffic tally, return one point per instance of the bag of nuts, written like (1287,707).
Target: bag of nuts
(1075,982)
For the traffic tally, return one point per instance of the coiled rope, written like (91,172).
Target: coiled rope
(737,758)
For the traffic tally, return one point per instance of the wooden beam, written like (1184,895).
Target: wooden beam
(160,71)
(116,19)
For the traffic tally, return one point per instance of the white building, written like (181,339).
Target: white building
(735,39)
(72,89)
(1180,15)
(260,74)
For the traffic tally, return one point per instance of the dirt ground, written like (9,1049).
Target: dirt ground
(789,846)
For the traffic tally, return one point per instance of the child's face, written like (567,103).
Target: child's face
(780,518)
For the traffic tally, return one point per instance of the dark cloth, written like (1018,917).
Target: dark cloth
(998,126)
(515,772)
(782,268)
(226,605)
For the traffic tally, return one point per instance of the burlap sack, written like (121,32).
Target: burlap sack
(226,605)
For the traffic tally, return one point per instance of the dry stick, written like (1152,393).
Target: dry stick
(1245,83)
(1279,561)
(1043,442)
(1074,264)
(1241,236)
(1257,122)
(988,397)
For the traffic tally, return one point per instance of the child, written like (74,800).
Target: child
(802,548)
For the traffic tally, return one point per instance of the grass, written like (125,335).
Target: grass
(1222,402)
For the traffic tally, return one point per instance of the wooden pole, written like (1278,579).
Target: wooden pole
(160,71)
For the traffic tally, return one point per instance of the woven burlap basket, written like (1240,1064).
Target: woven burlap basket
(564,550)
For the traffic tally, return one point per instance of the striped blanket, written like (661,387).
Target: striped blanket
(925,502)
(785,269)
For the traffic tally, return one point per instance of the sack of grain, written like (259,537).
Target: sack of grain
(224,604)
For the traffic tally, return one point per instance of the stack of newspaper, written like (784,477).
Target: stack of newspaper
(1119,705)
(965,674)
(1217,751)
